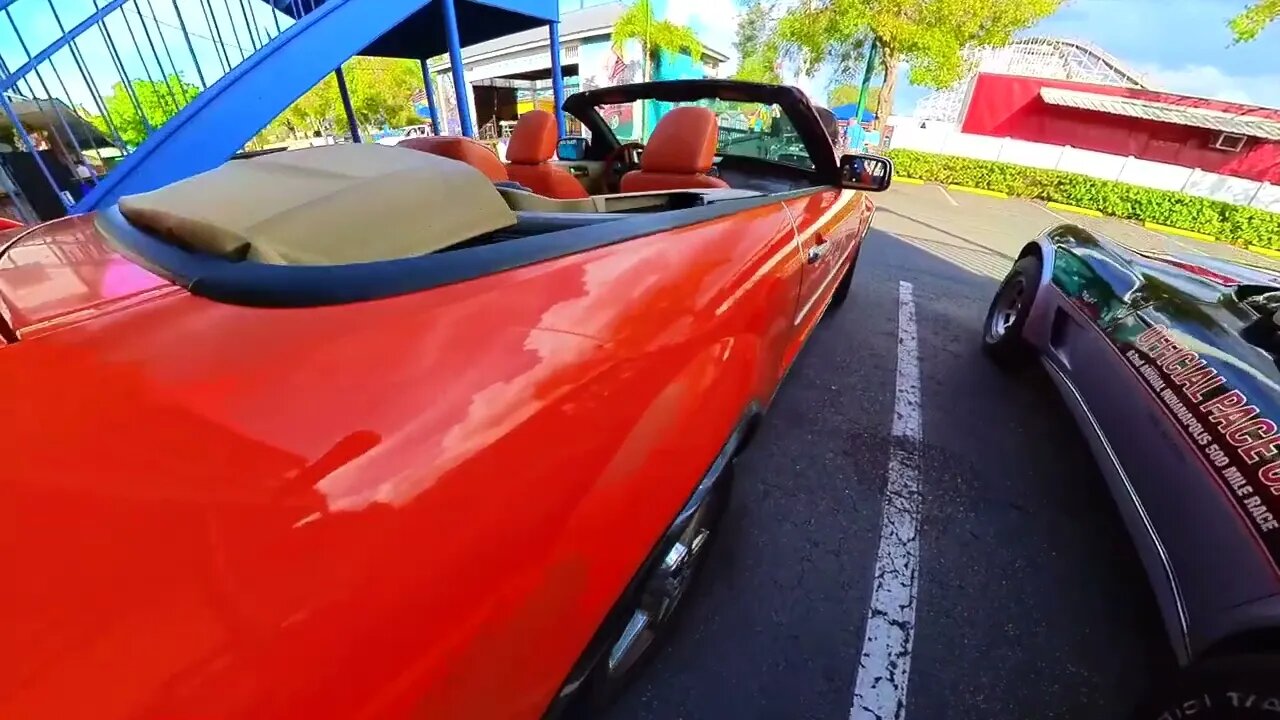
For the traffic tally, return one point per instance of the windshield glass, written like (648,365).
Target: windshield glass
(745,129)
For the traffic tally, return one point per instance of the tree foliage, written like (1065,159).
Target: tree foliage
(846,94)
(756,48)
(381,93)
(655,36)
(158,100)
(932,36)
(1254,19)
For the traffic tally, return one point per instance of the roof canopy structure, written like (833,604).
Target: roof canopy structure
(56,117)
(846,112)
(1227,122)
(424,33)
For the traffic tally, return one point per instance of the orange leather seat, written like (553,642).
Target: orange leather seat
(679,153)
(472,152)
(533,144)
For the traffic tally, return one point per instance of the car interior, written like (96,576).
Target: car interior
(304,207)
(684,152)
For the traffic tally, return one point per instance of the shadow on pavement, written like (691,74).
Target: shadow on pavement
(1032,602)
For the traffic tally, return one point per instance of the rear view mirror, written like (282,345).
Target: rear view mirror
(571,148)
(860,171)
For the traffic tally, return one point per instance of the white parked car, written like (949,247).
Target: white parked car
(409,132)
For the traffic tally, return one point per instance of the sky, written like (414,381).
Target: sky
(1182,46)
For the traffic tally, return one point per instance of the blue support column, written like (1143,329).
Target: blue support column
(431,98)
(460,90)
(346,104)
(557,77)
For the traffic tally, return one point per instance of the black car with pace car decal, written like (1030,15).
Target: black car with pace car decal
(1171,367)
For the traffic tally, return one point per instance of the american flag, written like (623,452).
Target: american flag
(618,70)
(419,97)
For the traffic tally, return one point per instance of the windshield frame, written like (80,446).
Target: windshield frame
(792,103)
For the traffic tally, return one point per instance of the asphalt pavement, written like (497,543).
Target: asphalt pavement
(1031,601)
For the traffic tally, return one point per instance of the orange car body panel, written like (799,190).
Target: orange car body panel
(421,506)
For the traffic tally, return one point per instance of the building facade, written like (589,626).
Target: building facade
(1210,135)
(512,75)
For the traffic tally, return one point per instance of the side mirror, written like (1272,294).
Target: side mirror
(571,148)
(860,171)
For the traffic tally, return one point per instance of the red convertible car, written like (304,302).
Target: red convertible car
(355,432)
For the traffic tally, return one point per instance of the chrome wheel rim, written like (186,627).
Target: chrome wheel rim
(664,591)
(1005,308)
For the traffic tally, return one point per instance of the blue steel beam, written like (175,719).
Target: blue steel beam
(429,87)
(557,77)
(460,90)
(223,118)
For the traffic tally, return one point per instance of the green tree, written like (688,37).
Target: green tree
(931,36)
(845,94)
(159,100)
(757,52)
(381,92)
(1254,19)
(655,36)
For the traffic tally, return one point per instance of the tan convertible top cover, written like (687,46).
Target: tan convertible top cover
(328,205)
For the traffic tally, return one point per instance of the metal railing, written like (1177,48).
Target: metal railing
(76,104)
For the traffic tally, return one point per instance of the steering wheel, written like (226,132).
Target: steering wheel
(619,162)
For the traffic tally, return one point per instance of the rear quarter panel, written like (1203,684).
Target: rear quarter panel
(415,507)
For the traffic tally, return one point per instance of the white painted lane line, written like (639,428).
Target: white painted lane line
(880,690)
(1056,215)
(947,195)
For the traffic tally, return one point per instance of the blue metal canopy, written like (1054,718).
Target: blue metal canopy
(424,34)
(846,112)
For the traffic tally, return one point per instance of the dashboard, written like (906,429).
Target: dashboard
(748,173)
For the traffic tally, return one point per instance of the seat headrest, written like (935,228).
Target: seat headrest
(683,142)
(534,138)
(472,152)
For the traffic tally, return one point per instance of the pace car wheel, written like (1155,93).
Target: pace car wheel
(1002,330)
(1239,687)
(655,605)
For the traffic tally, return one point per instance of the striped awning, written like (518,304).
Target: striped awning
(1163,112)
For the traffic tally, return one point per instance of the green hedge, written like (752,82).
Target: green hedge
(1229,223)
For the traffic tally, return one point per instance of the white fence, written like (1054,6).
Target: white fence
(1162,176)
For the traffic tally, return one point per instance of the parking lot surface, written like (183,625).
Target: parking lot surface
(1031,601)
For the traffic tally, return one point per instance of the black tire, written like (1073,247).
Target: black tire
(1002,338)
(605,683)
(843,286)
(1238,687)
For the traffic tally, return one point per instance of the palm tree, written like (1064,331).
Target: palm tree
(655,37)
